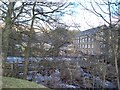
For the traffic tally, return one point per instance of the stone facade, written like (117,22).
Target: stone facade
(91,41)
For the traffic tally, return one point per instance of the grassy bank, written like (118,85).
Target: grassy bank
(9,82)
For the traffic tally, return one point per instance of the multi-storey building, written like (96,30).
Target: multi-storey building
(92,41)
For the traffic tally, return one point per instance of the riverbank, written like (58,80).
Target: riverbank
(9,82)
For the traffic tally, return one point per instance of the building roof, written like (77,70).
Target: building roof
(90,31)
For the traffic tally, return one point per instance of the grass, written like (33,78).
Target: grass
(9,82)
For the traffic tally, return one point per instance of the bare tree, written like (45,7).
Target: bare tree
(8,16)
(28,14)
(111,14)
(40,15)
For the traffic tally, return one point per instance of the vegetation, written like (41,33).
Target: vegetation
(34,30)
(112,38)
(10,82)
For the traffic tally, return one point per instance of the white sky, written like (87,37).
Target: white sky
(81,17)
(84,18)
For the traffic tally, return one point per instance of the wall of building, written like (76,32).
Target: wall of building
(91,44)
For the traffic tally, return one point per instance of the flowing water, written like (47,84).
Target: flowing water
(55,79)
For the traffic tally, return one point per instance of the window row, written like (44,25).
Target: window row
(91,52)
(86,46)
(84,39)
(88,52)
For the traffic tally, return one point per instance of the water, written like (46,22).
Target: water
(98,81)
(21,59)
(14,59)
(63,85)
(108,84)
(56,75)
(39,78)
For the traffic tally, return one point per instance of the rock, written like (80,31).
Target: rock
(108,84)
(70,74)
(66,86)
(87,82)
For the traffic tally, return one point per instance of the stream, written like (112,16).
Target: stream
(54,79)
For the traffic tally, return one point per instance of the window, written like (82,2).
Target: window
(78,40)
(92,39)
(86,39)
(91,52)
(101,52)
(89,39)
(85,45)
(98,38)
(80,46)
(83,40)
(91,45)
(88,45)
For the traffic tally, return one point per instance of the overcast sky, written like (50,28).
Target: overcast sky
(81,17)
(84,18)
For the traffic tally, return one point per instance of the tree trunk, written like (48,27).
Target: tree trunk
(116,51)
(6,32)
(27,50)
(114,42)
